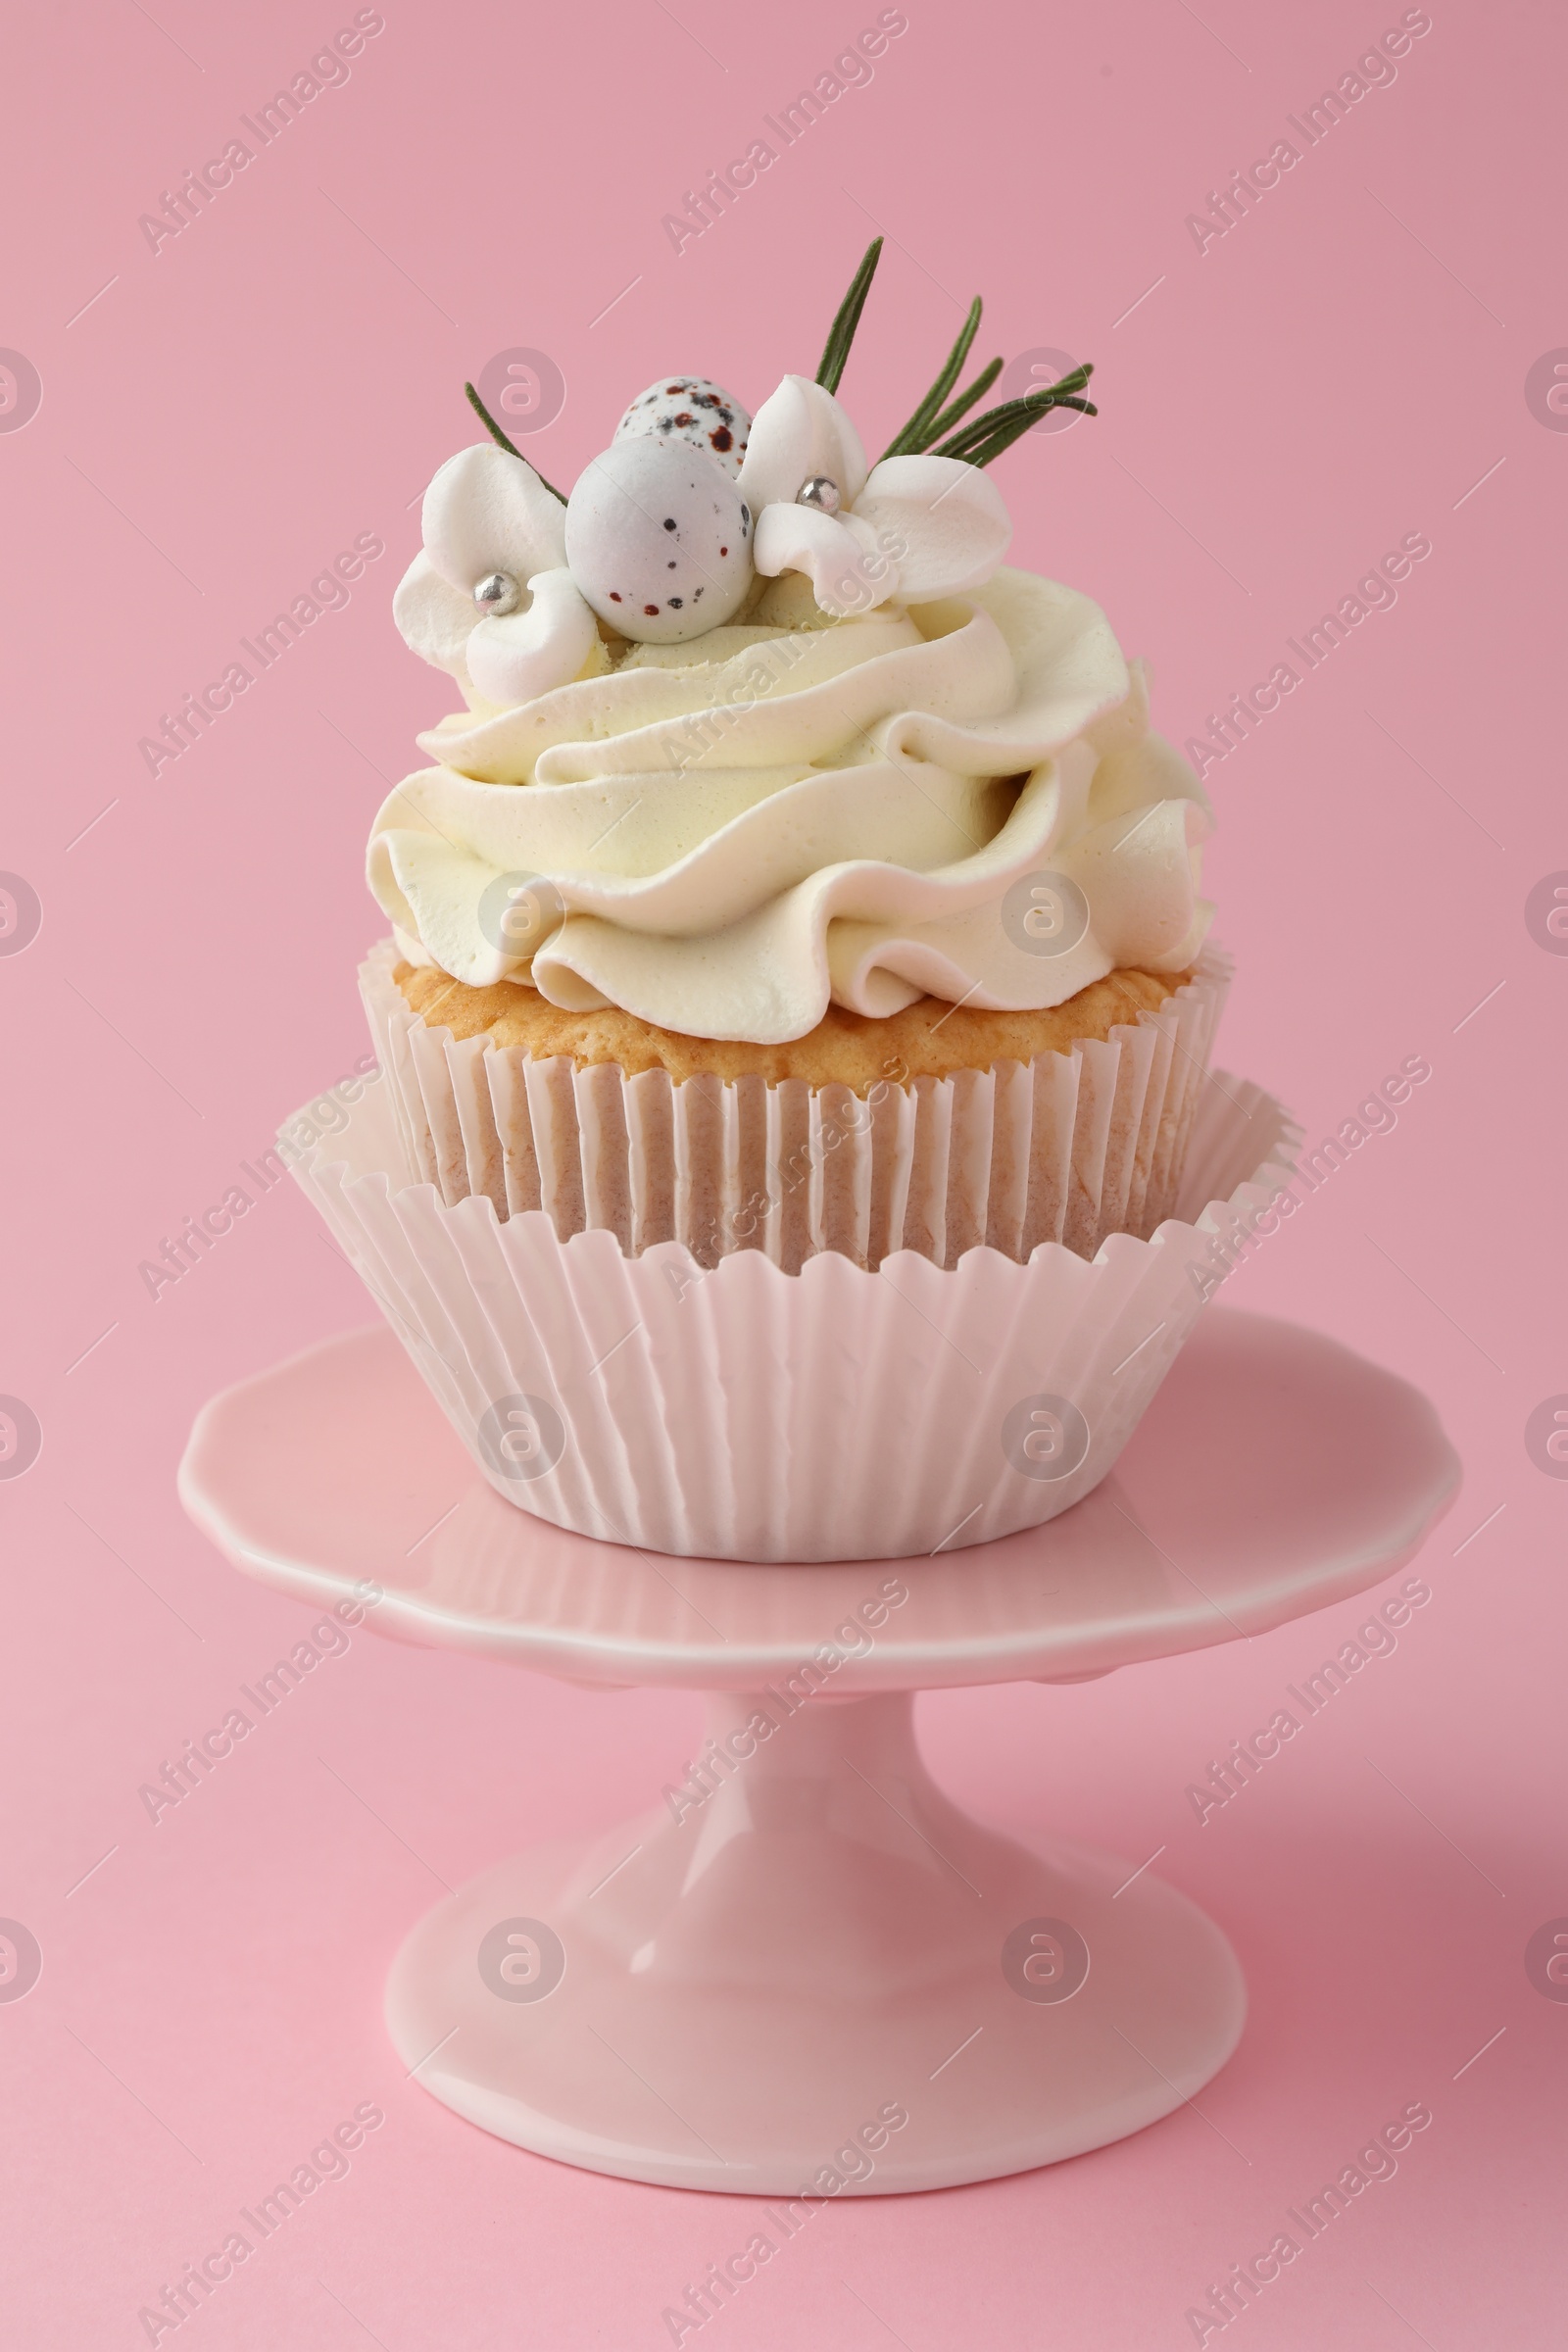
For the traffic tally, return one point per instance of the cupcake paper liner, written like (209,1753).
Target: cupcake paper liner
(738,1411)
(1070,1148)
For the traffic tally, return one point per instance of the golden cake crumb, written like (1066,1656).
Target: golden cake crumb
(930,1038)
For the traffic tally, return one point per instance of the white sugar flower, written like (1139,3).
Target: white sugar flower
(490,600)
(914,527)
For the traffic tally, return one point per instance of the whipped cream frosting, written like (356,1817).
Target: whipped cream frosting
(794,811)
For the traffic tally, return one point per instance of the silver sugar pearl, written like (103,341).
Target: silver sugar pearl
(496,594)
(821,492)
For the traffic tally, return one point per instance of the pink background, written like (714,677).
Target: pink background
(218,420)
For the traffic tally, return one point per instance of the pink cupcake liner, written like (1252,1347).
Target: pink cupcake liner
(1070,1148)
(740,1410)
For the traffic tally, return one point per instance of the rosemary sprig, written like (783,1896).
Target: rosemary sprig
(966,400)
(1010,433)
(500,438)
(986,437)
(1044,396)
(840,334)
(912,436)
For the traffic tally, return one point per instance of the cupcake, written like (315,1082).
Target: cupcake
(799,905)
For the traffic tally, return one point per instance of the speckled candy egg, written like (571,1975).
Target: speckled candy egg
(659,541)
(693,410)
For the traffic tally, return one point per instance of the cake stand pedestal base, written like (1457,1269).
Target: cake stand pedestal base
(821,1963)
(806,1968)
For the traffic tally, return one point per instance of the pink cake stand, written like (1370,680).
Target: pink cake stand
(804,1968)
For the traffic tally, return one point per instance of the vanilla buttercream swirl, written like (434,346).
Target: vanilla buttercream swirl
(861,812)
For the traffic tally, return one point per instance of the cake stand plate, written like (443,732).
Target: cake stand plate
(805,1970)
